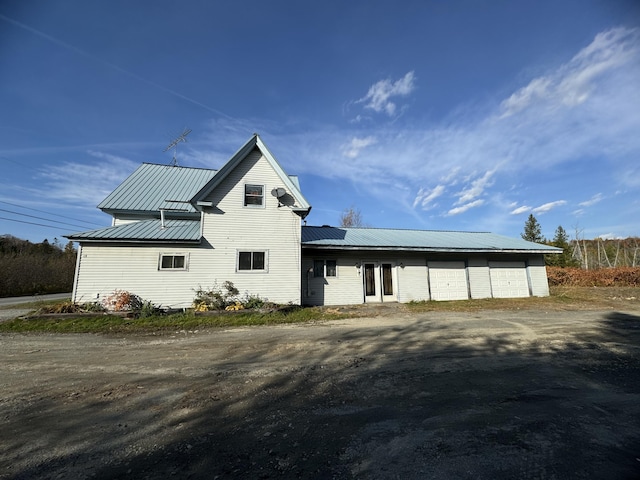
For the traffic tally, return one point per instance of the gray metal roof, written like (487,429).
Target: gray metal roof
(418,240)
(152,187)
(187,231)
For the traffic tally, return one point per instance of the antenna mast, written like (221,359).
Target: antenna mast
(174,145)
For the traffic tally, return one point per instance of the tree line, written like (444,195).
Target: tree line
(28,268)
(580,252)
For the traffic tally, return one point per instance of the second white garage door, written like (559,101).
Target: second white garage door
(448,281)
(509,279)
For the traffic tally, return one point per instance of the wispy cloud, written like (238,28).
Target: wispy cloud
(573,83)
(84,183)
(355,145)
(424,199)
(475,189)
(548,206)
(592,201)
(465,207)
(581,109)
(519,210)
(379,96)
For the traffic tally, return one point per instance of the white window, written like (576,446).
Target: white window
(253,195)
(173,261)
(325,268)
(252,260)
(331,268)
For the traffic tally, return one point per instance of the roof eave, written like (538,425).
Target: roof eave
(425,249)
(132,240)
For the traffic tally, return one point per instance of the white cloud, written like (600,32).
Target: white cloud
(592,201)
(355,145)
(424,198)
(476,188)
(548,206)
(84,183)
(379,94)
(519,210)
(573,83)
(546,132)
(464,208)
(537,89)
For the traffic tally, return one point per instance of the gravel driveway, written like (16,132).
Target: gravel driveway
(483,395)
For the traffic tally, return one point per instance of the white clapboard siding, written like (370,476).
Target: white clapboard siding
(103,273)
(538,276)
(343,289)
(479,278)
(413,281)
(230,227)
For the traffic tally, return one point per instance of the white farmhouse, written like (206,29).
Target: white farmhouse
(176,229)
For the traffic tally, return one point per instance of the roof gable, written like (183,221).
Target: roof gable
(291,183)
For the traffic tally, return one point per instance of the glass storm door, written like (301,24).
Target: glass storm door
(379,282)
(386,272)
(370,282)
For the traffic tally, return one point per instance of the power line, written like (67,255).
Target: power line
(51,214)
(41,218)
(29,223)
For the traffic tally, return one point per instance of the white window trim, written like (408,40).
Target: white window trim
(264,196)
(173,254)
(324,268)
(252,271)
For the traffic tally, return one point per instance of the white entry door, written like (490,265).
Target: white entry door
(448,281)
(379,282)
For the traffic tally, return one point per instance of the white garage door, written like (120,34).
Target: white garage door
(508,279)
(448,281)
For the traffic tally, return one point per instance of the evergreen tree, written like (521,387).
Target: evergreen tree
(560,240)
(532,230)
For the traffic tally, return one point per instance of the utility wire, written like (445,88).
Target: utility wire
(51,214)
(29,223)
(41,218)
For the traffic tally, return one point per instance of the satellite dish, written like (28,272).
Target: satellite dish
(278,192)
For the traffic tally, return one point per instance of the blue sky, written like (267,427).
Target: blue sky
(465,115)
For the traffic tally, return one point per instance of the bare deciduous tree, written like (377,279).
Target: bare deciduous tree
(351,217)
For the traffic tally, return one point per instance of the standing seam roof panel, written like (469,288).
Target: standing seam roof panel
(151,185)
(418,239)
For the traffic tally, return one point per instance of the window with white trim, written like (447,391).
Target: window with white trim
(252,260)
(253,195)
(173,261)
(325,268)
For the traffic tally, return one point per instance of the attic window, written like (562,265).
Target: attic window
(253,195)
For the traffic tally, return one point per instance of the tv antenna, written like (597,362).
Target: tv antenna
(174,144)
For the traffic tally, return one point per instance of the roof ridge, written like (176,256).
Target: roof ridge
(396,229)
(178,166)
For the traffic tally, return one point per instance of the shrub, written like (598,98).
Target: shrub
(603,277)
(216,298)
(225,297)
(122,301)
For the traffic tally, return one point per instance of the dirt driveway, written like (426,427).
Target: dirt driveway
(483,395)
